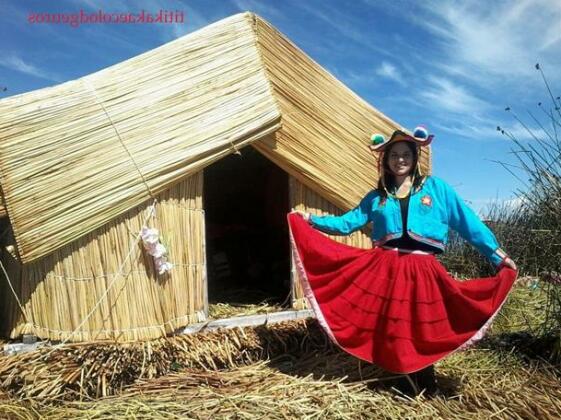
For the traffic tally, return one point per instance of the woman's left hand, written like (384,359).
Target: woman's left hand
(509,263)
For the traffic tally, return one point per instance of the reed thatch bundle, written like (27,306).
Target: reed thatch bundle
(261,391)
(228,310)
(99,369)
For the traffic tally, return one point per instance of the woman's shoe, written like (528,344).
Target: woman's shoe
(425,379)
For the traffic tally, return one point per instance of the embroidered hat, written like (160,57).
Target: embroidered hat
(420,137)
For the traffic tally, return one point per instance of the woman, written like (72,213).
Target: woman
(395,305)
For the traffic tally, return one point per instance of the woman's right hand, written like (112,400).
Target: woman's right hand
(305,215)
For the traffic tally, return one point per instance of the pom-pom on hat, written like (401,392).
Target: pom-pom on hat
(420,137)
(377,139)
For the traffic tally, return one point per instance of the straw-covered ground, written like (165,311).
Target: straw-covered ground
(287,370)
(239,303)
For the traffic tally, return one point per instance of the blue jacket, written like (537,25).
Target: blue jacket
(433,209)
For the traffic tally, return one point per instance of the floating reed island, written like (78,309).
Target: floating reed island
(278,371)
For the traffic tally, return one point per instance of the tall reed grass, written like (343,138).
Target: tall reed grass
(529,227)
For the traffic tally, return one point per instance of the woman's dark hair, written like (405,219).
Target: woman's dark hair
(388,177)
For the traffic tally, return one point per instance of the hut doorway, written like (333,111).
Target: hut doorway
(246,199)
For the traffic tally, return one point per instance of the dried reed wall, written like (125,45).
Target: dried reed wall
(58,291)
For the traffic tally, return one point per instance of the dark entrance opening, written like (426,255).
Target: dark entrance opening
(246,200)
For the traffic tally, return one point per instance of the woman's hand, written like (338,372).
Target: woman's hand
(509,263)
(304,214)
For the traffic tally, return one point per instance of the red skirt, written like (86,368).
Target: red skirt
(400,311)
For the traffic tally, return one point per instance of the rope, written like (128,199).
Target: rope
(59,277)
(236,150)
(13,291)
(132,248)
(92,89)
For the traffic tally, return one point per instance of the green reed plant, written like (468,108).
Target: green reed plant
(528,227)
(532,230)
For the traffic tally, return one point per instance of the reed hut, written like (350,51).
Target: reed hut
(211,139)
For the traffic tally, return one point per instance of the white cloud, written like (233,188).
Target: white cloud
(445,94)
(485,129)
(496,43)
(553,36)
(15,63)
(521,133)
(515,203)
(389,71)
(493,208)
(498,39)
(481,56)
(354,78)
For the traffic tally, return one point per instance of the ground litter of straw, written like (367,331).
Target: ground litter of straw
(287,371)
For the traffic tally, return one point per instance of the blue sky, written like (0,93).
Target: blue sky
(451,65)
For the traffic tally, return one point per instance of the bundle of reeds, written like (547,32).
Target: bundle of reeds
(100,369)
(227,310)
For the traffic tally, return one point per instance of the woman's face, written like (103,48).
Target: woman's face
(400,159)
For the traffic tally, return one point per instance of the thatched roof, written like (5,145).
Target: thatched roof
(74,156)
